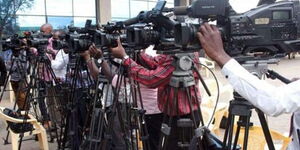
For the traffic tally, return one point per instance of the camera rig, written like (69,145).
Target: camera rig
(270,30)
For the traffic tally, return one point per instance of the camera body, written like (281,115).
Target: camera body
(268,30)
(13,43)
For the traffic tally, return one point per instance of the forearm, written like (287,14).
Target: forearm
(270,99)
(150,78)
(222,59)
(107,71)
(93,69)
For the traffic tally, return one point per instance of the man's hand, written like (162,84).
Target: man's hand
(95,52)
(211,42)
(51,51)
(86,55)
(119,51)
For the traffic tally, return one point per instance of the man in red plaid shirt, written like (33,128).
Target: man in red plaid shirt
(160,78)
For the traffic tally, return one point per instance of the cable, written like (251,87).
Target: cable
(218,93)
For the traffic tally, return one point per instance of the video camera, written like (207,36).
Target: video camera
(272,29)
(150,28)
(13,43)
(78,40)
(109,34)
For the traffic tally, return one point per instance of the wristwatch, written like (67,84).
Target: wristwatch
(100,60)
(124,58)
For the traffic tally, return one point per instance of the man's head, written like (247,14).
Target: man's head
(46,28)
(56,35)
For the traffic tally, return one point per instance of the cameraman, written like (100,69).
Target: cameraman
(160,78)
(45,77)
(18,65)
(153,116)
(270,99)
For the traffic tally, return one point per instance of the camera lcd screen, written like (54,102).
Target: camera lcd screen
(160,5)
(281,15)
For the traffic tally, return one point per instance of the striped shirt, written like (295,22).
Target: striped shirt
(160,78)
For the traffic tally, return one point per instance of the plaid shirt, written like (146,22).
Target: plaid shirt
(159,78)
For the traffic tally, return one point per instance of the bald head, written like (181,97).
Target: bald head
(46,28)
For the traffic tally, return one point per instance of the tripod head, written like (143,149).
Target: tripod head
(183,75)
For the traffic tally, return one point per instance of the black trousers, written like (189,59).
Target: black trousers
(153,122)
(42,93)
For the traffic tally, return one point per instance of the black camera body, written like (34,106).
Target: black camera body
(272,29)
(74,42)
(76,39)
(269,28)
(13,43)
(150,28)
(37,42)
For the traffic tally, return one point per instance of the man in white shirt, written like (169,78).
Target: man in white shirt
(60,63)
(271,100)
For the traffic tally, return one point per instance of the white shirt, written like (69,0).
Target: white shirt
(60,63)
(270,99)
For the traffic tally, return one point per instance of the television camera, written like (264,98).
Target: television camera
(271,29)
(78,40)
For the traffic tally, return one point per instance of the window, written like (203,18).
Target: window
(120,8)
(38,8)
(60,22)
(59,13)
(30,21)
(137,6)
(59,7)
(84,8)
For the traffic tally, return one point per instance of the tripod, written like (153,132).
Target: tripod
(41,60)
(98,122)
(242,108)
(183,80)
(78,97)
(130,116)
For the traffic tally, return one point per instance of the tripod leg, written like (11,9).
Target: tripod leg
(237,133)
(246,132)
(161,138)
(165,128)
(228,130)
(266,130)
(188,91)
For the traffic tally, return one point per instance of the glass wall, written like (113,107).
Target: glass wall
(124,9)
(59,13)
